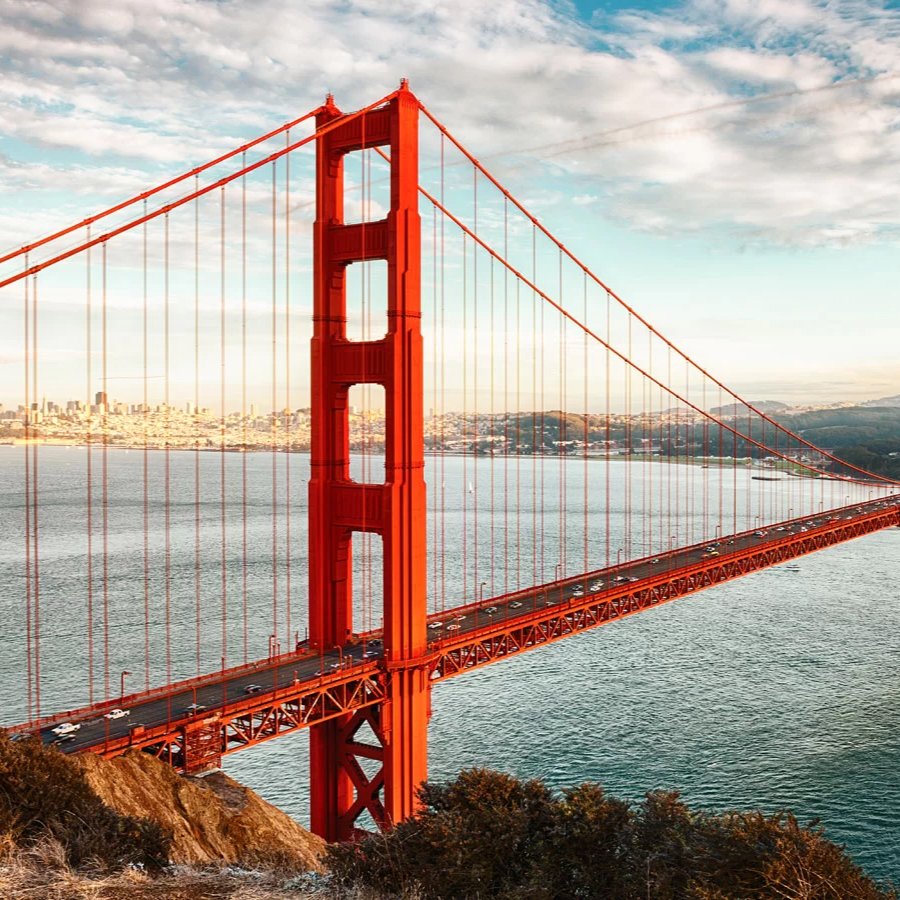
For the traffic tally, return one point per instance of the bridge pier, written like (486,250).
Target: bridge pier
(340,790)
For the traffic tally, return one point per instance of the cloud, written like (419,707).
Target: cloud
(708,115)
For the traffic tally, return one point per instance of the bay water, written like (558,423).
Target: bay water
(779,690)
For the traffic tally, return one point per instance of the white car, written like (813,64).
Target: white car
(117,713)
(66,727)
(435,625)
(515,605)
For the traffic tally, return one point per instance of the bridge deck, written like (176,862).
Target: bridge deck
(193,723)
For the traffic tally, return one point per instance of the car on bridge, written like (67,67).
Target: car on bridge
(490,610)
(117,713)
(66,728)
(516,604)
(194,708)
(252,689)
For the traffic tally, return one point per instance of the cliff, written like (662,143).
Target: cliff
(213,819)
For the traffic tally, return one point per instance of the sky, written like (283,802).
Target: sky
(730,167)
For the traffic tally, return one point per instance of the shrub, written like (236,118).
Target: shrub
(43,794)
(487,834)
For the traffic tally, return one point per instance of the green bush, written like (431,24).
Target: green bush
(43,793)
(487,834)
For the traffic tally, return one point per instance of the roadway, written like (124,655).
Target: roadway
(215,692)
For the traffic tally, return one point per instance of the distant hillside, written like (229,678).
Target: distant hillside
(884,402)
(766,406)
(848,426)
(867,436)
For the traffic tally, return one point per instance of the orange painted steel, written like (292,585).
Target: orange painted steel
(338,506)
(356,695)
(512,636)
(252,720)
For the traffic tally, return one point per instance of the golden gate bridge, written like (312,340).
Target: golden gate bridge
(575,468)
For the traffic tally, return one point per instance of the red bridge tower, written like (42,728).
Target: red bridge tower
(338,506)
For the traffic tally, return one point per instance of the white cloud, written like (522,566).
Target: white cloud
(663,116)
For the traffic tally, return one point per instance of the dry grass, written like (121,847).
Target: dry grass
(41,873)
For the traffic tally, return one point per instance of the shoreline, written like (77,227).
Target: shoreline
(702,461)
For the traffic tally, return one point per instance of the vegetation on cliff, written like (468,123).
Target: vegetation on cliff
(79,828)
(43,795)
(487,834)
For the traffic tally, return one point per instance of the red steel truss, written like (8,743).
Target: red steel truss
(356,696)
(542,626)
(197,743)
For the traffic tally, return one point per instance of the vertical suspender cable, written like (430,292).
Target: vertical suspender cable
(89,475)
(105,477)
(534,424)
(585,436)
(542,571)
(629,448)
(26,356)
(288,412)
(518,504)
(563,433)
(506,410)
(435,409)
(244,407)
(166,451)
(274,418)
(222,485)
(198,615)
(476,547)
(606,532)
(465,391)
(145,469)
(443,390)
(492,419)
(36,558)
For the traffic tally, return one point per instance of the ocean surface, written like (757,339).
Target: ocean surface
(780,690)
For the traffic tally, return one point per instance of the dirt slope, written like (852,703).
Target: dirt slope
(213,819)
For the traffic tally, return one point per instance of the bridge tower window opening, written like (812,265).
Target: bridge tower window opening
(366,298)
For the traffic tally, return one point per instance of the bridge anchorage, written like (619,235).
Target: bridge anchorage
(676,484)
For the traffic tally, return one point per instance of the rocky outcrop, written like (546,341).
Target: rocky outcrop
(213,819)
